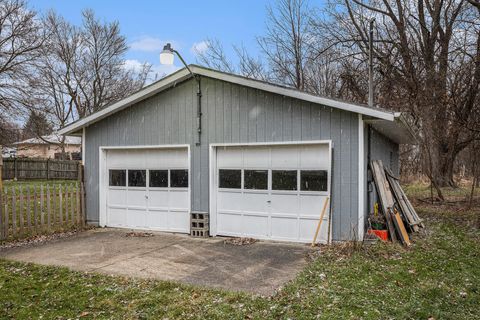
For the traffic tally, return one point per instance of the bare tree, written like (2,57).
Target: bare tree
(82,68)
(20,40)
(286,42)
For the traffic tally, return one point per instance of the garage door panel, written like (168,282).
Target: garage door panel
(308,227)
(136,218)
(285,203)
(177,221)
(158,199)
(284,228)
(256,202)
(229,223)
(256,225)
(229,200)
(157,219)
(284,158)
(136,198)
(117,197)
(230,158)
(117,217)
(178,199)
(314,157)
(311,205)
(257,158)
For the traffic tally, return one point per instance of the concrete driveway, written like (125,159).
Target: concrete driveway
(261,267)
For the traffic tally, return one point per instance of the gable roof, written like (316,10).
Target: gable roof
(52,139)
(183,74)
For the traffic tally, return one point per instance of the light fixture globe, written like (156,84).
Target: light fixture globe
(166,56)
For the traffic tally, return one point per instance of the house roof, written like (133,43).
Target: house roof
(52,139)
(183,74)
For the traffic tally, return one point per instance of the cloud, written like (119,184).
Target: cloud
(132,64)
(199,47)
(150,44)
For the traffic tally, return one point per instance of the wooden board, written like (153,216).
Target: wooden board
(406,208)
(402,232)
(384,194)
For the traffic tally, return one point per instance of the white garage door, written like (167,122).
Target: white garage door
(148,189)
(272,192)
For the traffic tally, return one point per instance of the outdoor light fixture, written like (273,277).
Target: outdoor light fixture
(166,57)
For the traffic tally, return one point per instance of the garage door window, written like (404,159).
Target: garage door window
(158,179)
(137,178)
(230,179)
(256,179)
(117,178)
(284,179)
(313,180)
(179,178)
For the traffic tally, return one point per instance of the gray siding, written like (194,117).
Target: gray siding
(231,113)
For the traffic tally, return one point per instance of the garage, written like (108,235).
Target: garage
(272,192)
(147,189)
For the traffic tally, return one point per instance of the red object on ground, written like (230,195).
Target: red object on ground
(382,234)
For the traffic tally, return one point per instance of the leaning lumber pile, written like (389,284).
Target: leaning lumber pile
(399,215)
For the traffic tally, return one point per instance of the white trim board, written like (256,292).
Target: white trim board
(183,74)
(361,179)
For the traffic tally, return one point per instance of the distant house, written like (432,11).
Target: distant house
(49,147)
(8,152)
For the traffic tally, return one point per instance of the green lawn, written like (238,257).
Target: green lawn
(438,277)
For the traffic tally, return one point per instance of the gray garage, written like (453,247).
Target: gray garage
(259,160)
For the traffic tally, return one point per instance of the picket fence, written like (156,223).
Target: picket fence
(28,210)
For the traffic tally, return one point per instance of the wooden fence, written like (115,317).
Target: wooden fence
(27,210)
(46,169)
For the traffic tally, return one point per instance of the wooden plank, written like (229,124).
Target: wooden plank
(54,205)
(49,222)
(42,217)
(77,195)
(384,194)
(82,195)
(402,232)
(35,208)
(14,212)
(60,204)
(6,226)
(2,220)
(72,206)
(400,197)
(29,212)
(21,209)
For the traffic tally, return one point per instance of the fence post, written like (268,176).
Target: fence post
(80,171)
(48,169)
(2,236)
(15,169)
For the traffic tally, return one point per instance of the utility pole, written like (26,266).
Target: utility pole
(370,64)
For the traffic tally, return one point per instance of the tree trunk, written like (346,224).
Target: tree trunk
(443,164)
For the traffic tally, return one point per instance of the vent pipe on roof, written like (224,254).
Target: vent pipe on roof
(370,64)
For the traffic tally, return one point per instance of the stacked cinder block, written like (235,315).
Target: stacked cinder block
(199,224)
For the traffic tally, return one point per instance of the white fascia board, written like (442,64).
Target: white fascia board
(134,98)
(293,93)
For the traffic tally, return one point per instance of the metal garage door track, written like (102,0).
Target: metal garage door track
(261,267)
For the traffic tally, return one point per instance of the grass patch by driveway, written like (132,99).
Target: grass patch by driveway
(438,277)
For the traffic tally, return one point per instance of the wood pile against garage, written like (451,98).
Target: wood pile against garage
(399,215)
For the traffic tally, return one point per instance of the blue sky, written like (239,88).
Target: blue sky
(149,24)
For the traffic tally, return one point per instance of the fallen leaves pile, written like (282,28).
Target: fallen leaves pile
(139,234)
(240,241)
(39,239)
